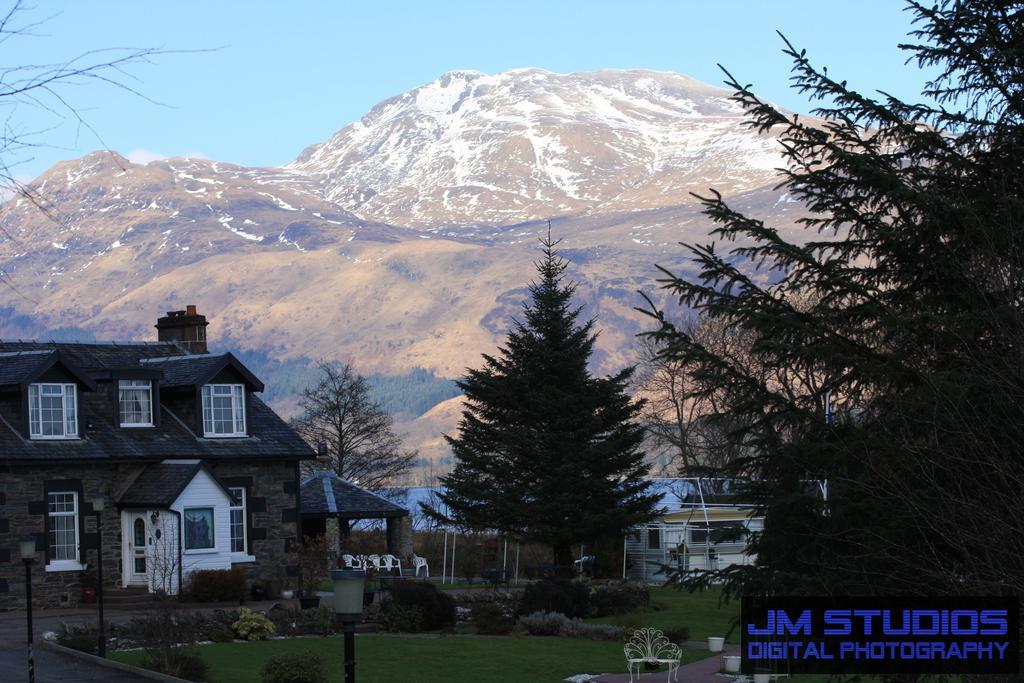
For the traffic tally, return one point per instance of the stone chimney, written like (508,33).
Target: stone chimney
(187,327)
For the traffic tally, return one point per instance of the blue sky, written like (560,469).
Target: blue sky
(289,74)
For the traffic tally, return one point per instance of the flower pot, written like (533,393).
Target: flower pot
(287,595)
(762,678)
(715,644)
(309,603)
(731,664)
(88,595)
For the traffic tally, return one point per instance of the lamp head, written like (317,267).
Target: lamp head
(348,593)
(99,502)
(27,545)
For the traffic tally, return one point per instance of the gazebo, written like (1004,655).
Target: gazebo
(327,500)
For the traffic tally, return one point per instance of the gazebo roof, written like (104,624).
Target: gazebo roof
(325,493)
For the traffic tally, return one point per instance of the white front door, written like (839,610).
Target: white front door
(138,538)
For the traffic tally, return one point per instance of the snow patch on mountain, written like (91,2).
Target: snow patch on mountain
(472,149)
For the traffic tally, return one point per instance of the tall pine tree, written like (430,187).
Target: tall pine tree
(545,451)
(895,338)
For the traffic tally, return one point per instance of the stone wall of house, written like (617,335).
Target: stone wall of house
(273,519)
(272,526)
(23,509)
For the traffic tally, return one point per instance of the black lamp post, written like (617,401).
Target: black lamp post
(27,545)
(348,608)
(98,505)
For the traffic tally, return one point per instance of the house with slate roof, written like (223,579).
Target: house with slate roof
(197,471)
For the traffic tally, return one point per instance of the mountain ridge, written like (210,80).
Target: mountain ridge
(302,262)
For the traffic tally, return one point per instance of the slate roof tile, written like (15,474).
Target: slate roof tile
(325,493)
(101,440)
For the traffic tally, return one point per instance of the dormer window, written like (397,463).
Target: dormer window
(223,410)
(52,411)
(135,402)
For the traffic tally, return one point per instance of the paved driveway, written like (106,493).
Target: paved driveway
(54,668)
(51,667)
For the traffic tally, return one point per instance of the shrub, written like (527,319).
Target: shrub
(618,598)
(175,661)
(83,638)
(437,608)
(491,619)
(396,618)
(303,667)
(577,628)
(678,635)
(216,585)
(292,621)
(324,621)
(253,625)
(219,635)
(571,598)
(543,623)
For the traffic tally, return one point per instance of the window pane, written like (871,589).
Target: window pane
(33,409)
(207,411)
(239,410)
(70,411)
(237,531)
(223,409)
(52,409)
(136,401)
(199,528)
(238,519)
(63,523)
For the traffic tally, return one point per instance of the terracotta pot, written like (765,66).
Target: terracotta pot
(88,595)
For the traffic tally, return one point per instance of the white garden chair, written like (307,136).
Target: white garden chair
(650,646)
(417,563)
(375,561)
(351,562)
(391,562)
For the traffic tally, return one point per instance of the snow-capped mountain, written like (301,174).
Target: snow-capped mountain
(471,149)
(408,238)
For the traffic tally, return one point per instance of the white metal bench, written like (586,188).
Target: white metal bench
(650,646)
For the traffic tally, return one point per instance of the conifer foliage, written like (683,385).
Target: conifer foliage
(895,333)
(545,451)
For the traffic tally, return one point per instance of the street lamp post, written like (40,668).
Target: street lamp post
(98,505)
(27,545)
(348,608)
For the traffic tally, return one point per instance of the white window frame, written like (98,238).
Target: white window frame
(237,394)
(240,495)
(134,385)
(213,530)
(69,406)
(67,564)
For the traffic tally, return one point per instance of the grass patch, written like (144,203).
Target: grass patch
(671,608)
(451,659)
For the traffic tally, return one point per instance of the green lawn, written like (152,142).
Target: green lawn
(430,659)
(671,608)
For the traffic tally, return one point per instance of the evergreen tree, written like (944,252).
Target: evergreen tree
(896,338)
(545,451)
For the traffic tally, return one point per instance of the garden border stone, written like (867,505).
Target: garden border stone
(111,664)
